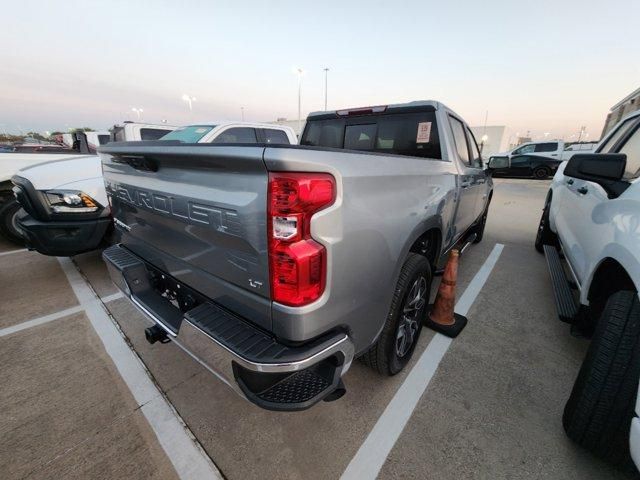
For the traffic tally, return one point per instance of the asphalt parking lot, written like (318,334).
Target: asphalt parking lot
(485,405)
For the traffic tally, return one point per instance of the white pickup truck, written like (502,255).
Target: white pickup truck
(590,234)
(78,167)
(64,203)
(556,149)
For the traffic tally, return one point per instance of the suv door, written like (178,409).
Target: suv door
(581,227)
(547,149)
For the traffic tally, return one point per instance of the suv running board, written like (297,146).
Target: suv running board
(565,301)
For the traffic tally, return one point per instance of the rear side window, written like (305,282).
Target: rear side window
(360,137)
(411,134)
(102,139)
(460,139)
(237,135)
(152,133)
(277,137)
(546,147)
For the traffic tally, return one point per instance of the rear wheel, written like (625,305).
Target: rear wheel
(599,411)
(9,221)
(401,331)
(541,173)
(545,235)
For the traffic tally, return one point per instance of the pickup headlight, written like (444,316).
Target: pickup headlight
(71,201)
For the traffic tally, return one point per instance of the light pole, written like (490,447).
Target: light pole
(242,113)
(484,139)
(138,111)
(189,99)
(326,73)
(299,71)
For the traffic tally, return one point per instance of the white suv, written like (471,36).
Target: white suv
(590,234)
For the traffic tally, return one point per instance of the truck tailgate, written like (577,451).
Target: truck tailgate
(198,213)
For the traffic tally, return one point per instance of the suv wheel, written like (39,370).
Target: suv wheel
(598,413)
(401,331)
(541,173)
(9,221)
(545,235)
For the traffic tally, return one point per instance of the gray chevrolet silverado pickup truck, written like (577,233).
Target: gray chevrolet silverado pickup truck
(276,266)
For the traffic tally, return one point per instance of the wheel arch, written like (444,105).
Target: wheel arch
(426,240)
(609,277)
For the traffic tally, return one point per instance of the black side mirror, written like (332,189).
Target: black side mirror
(605,169)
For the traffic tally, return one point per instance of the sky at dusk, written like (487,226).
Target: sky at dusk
(545,66)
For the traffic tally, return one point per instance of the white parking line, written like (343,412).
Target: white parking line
(112,297)
(186,455)
(11,252)
(40,320)
(370,458)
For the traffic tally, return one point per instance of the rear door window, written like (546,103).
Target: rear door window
(152,133)
(103,139)
(631,149)
(277,137)
(190,134)
(476,157)
(237,135)
(460,140)
(617,135)
(546,147)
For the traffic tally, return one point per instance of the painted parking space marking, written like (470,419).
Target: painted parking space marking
(371,456)
(11,252)
(40,320)
(112,297)
(187,456)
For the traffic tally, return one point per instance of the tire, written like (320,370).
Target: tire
(541,173)
(8,225)
(598,413)
(389,355)
(545,235)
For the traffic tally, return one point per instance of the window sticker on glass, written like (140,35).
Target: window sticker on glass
(424,132)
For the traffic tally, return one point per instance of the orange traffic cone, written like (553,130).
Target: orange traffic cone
(441,317)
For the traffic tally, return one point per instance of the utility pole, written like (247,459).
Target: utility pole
(582,130)
(326,73)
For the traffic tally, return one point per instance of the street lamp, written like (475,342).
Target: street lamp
(326,72)
(483,140)
(138,111)
(189,99)
(299,72)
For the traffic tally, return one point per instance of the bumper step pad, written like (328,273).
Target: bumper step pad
(565,302)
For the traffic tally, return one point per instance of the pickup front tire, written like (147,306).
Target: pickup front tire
(8,221)
(395,345)
(599,411)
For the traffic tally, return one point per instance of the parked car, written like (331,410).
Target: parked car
(65,209)
(527,166)
(591,225)
(36,154)
(276,265)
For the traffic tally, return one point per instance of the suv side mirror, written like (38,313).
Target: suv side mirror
(605,169)
(498,162)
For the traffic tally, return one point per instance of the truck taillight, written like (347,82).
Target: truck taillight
(297,263)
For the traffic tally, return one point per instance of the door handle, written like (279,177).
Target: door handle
(583,190)
(570,181)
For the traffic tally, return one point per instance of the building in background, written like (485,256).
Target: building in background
(628,104)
